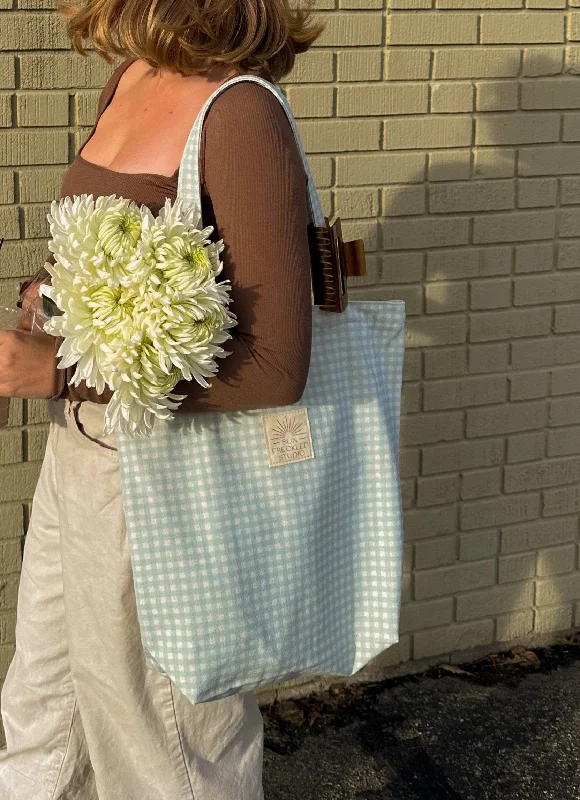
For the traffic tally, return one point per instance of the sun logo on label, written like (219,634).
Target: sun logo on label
(288,437)
(287,432)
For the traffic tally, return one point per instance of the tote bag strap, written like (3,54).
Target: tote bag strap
(188,186)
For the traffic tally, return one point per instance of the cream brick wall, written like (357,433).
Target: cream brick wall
(446,133)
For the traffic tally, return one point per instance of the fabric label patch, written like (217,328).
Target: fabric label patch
(288,437)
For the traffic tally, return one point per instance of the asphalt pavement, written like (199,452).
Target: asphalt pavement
(499,732)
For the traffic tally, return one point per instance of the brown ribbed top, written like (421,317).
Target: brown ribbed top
(254,193)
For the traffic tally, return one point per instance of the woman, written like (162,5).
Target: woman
(85,718)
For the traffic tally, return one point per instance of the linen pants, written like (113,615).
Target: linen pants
(85,718)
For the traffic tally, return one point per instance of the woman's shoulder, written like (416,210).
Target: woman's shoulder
(246,130)
(247,91)
(243,103)
(250,112)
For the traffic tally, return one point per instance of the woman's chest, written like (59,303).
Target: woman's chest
(149,190)
(142,138)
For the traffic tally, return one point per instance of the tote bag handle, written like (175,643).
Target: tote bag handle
(331,258)
(189,183)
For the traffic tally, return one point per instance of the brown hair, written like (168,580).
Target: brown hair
(260,37)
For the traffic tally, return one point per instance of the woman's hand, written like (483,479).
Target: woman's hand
(27,364)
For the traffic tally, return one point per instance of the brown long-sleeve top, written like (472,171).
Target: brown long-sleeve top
(254,193)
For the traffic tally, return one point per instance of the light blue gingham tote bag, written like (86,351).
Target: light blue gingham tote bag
(251,567)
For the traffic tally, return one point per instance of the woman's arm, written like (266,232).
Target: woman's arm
(253,173)
(254,179)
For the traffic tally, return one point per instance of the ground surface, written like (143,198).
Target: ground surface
(508,729)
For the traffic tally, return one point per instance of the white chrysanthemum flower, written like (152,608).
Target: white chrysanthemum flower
(96,235)
(141,306)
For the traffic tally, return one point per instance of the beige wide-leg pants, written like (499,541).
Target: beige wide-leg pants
(85,718)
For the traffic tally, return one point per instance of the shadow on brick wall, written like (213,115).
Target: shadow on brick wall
(463,242)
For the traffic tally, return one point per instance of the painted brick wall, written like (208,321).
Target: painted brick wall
(446,134)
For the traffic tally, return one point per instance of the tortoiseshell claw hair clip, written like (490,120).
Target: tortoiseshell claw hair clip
(332,261)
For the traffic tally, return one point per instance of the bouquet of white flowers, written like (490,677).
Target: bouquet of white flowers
(140,306)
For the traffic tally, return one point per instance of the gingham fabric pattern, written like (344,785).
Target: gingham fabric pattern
(248,574)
